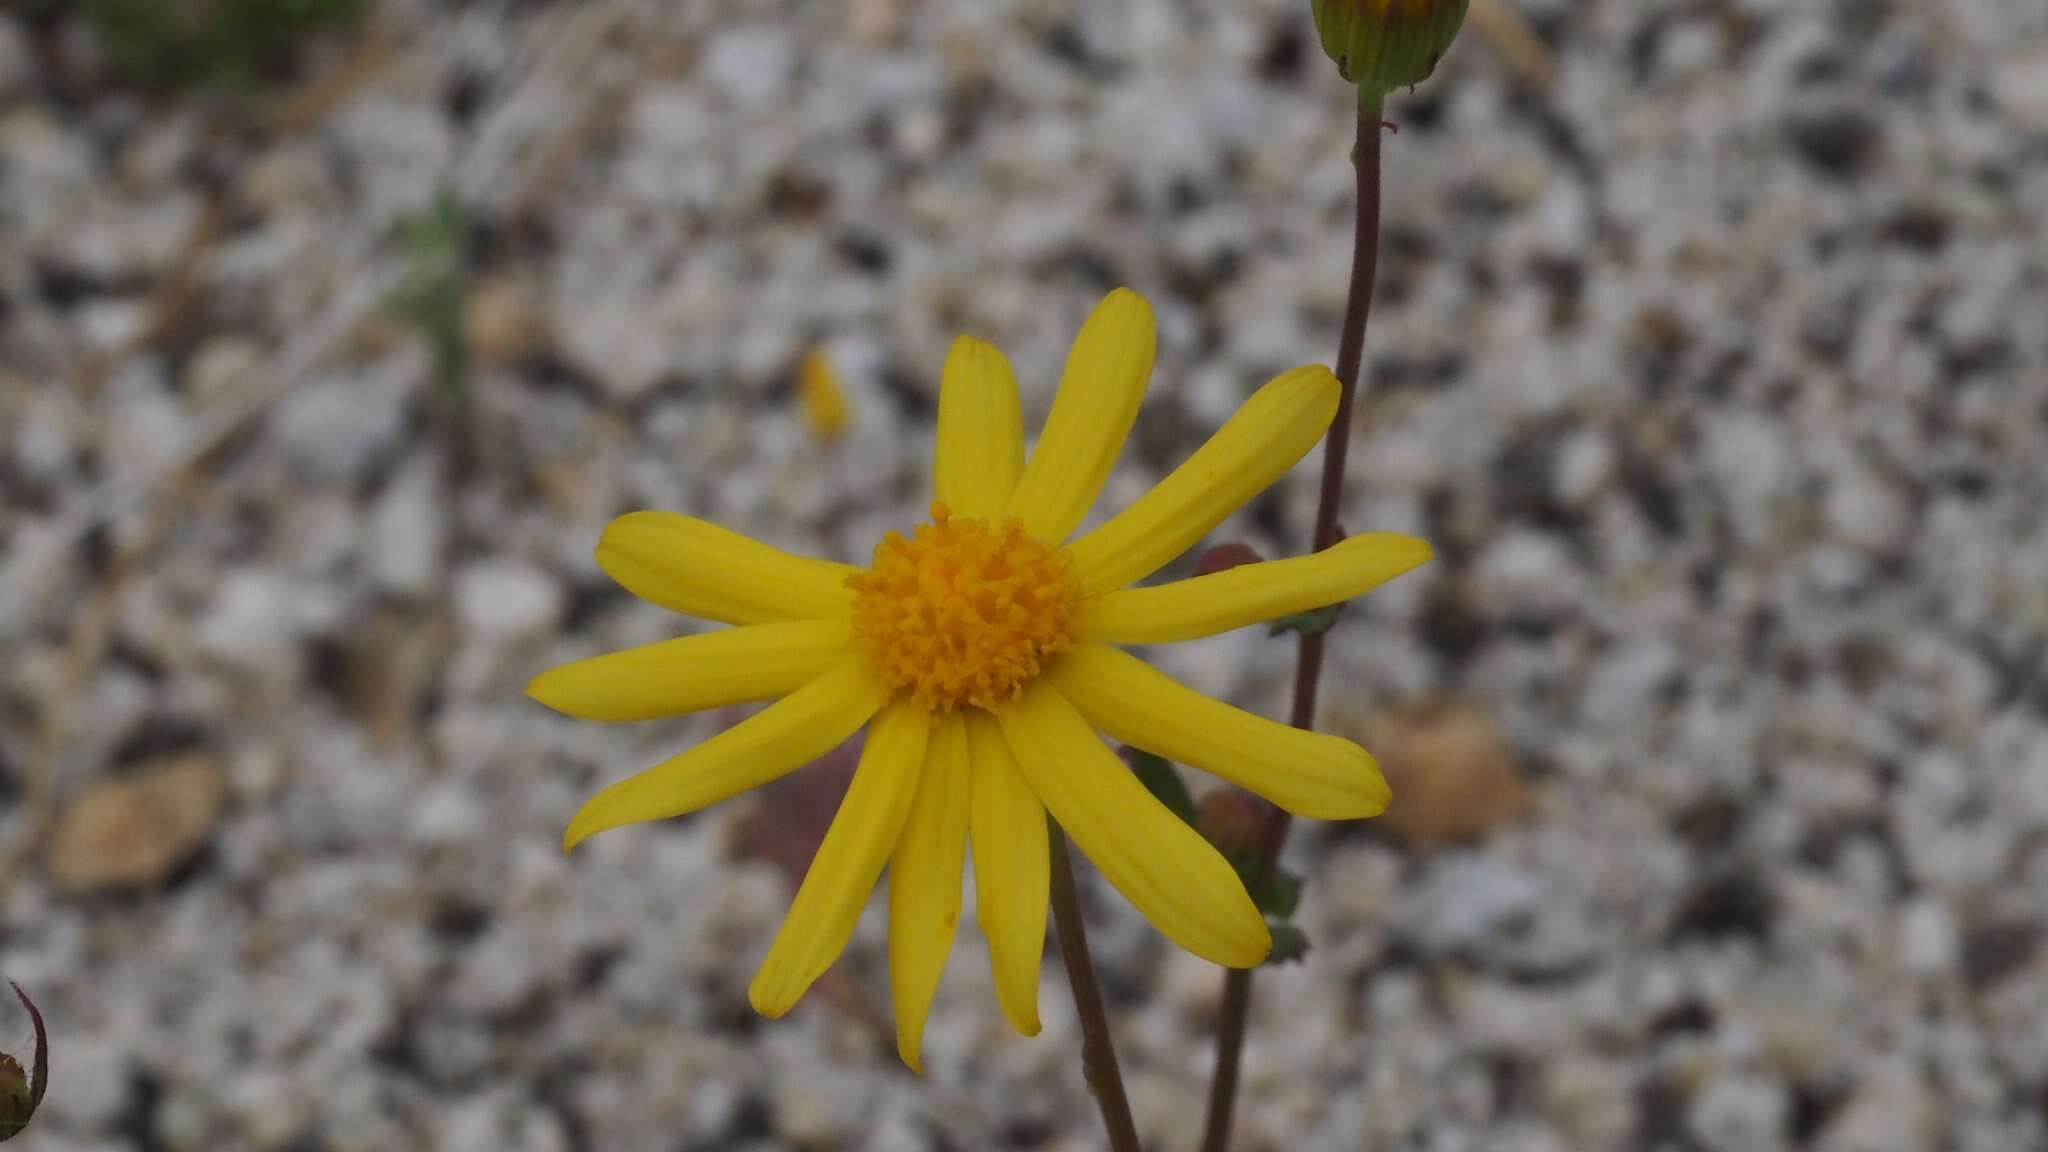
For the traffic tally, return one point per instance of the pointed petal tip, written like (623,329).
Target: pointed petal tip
(1402,552)
(1421,549)
(907,1050)
(768,1007)
(1026,1025)
(1264,947)
(587,822)
(1123,305)
(1123,295)
(1318,374)
(1372,794)
(967,344)
(542,687)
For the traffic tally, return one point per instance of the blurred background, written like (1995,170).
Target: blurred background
(1709,351)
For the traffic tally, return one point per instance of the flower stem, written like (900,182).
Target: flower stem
(1308,667)
(1098,1053)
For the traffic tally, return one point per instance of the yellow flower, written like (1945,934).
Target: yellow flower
(982,652)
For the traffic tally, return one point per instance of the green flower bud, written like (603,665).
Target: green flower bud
(15,1095)
(19,1095)
(1381,45)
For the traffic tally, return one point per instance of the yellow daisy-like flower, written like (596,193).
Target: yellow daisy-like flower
(982,652)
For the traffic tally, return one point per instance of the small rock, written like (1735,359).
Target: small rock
(92,1089)
(752,66)
(875,21)
(504,323)
(1526,573)
(1740,1114)
(2021,86)
(266,1107)
(1494,911)
(1892,1111)
(219,365)
(338,427)
(507,601)
(1452,774)
(252,627)
(1929,942)
(408,531)
(1868,512)
(1585,466)
(135,831)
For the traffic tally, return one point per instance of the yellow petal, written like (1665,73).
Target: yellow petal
(785,735)
(848,863)
(696,568)
(925,874)
(822,396)
(1092,413)
(981,431)
(1273,430)
(1012,871)
(692,673)
(1308,773)
(1178,880)
(1251,593)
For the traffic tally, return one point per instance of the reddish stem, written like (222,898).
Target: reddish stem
(1308,666)
(1098,1053)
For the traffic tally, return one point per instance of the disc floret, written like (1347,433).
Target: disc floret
(965,611)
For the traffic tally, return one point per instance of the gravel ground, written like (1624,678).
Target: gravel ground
(1710,352)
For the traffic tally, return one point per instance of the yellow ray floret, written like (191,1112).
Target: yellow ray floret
(828,903)
(1275,428)
(1250,593)
(924,880)
(1160,863)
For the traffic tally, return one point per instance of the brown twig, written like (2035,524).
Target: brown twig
(1308,668)
(1098,1053)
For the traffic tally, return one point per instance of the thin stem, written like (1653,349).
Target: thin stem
(1308,666)
(1098,1053)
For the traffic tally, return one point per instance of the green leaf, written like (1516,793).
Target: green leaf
(1309,623)
(433,294)
(1160,779)
(1290,943)
(1275,890)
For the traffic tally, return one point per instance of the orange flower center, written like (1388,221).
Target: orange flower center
(964,611)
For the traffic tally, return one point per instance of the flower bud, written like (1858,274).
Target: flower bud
(1224,557)
(1381,45)
(19,1096)
(1231,820)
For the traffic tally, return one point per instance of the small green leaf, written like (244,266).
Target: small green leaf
(433,295)
(1160,779)
(1290,943)
(1309,623)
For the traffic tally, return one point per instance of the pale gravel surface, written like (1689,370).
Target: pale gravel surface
(1717,372)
